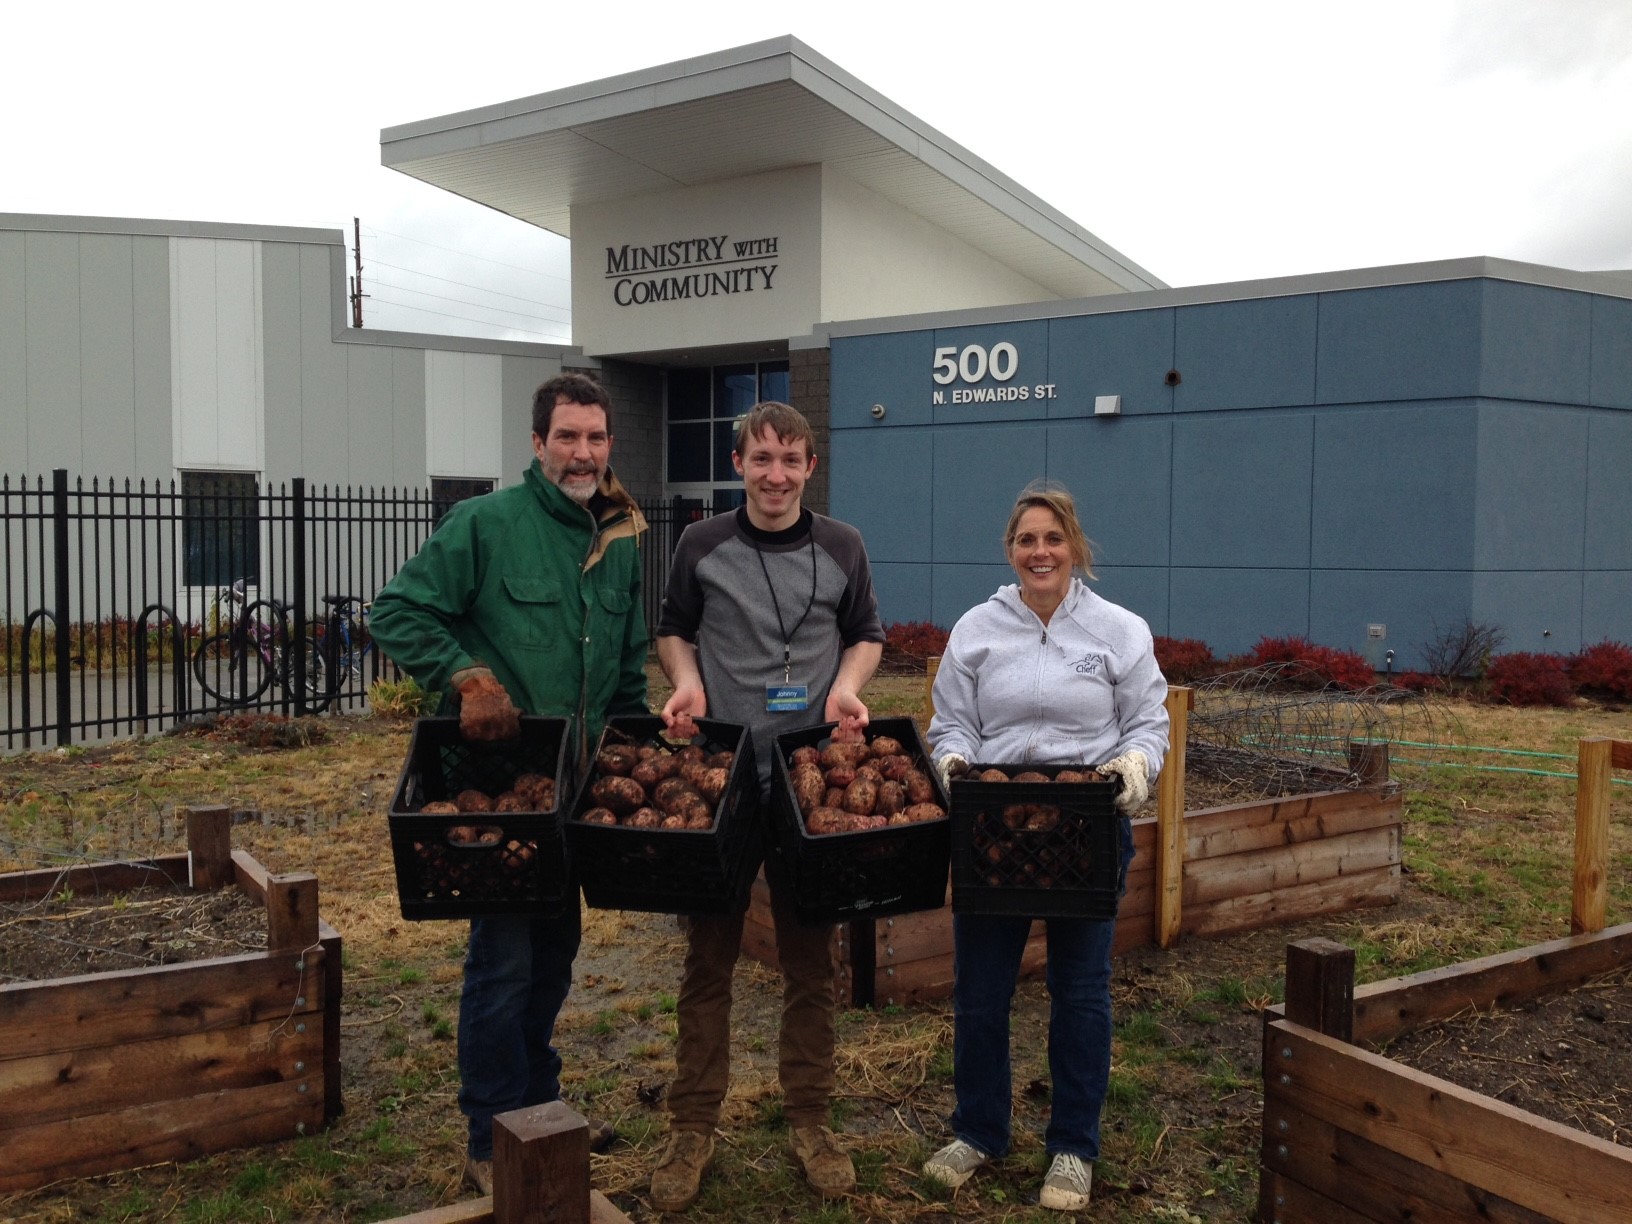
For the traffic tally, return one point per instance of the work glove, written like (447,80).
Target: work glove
(485,709)
(1133,767)
(950,766)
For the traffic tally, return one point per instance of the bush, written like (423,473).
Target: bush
(915,639)
(1419,682)
(1324,666)
(1461,649)
(1526,679)
(1184,660)
(1605,668)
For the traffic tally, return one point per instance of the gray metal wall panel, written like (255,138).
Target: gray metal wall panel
(325,453)
(1538,611)
(1245,354)
(1141,589)
(1536,344)
(52,350)
(150,297)
(281,303)
(1230,609)
(903,591)
(1532,475)
(978,471)
(13,358)
(1609,495)
(1121,475)
(1031,345)
(369,416)
(1241,489)
(1404,342)
(893,370)
(954,589)
(1611,352)
(884,478)
(107,356)
(1394,487)
(1411,605)
(408,459)
(1605,597)
(1126,354)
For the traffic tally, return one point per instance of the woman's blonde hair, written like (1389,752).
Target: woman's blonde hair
(1053,496)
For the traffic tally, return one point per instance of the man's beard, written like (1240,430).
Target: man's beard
(580,493)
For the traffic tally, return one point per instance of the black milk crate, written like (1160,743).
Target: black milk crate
(872,873)
(476,864)
(673,871)
(1067,867)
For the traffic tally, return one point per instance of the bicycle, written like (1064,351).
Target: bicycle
(236,665)
(334,653)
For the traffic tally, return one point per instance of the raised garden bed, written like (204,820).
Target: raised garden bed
(127,1067)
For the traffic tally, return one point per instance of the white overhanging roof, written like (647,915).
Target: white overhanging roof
(762,107)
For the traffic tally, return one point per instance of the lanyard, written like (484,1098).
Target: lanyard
(787,638)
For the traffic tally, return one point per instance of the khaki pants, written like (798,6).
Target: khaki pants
(805,1047)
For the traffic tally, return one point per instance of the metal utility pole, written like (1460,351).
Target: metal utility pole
(357,294)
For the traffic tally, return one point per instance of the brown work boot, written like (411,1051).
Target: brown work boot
(479,1173)
(678,1178)
(601,1134)
(827,1166)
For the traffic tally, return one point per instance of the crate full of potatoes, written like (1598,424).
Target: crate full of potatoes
(1038,841)
(476,825)
(666,827)
(861,827)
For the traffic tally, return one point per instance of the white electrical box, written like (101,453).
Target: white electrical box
(1107,405)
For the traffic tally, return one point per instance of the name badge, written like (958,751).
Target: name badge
(785,698)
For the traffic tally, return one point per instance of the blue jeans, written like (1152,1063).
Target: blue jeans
(986,965)
(518,970)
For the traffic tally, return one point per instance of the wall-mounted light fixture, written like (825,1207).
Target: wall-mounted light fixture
(1107,405)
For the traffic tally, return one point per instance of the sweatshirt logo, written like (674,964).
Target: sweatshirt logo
(1089,664)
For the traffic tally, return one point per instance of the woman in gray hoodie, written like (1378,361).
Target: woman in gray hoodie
(1043,672)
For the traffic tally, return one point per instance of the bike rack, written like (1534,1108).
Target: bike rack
(178,653)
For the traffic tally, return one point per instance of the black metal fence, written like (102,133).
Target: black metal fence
(131,607)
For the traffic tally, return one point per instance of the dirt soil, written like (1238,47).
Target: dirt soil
(1567,1057)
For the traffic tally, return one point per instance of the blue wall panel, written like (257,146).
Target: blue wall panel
(1141,589)
(1605,598)
(1230,609)
(1030,340)
(1120,474)
(1256,354)
(1612,352)
(1536,343)
(903,591)
(1394,487)
(1532,468)
(1537,611)
(882,478)
(1412,607)
(1400,342)
(1127,353)
(892,369)
(978,472)
(1609,493)
(957,588)
(1241,489)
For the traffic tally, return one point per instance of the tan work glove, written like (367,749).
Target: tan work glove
(950,766)
(485,709)
(1134,769)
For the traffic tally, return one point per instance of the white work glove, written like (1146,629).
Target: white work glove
(1133,767)
(950,766)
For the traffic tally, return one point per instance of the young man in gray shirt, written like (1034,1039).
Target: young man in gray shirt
(768,620)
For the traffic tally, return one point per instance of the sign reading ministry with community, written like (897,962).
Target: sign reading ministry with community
(689,268)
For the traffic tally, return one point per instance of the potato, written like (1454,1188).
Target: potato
(691,752)
(645,818)
(992,775)
(537,789)
(617,759)
(869,769)
(918,786)
(511,801)
(1070,775)
(622,795)
(885,745)
(440,807)
(892,798)
(826,820)
(721,760)
(600,816)
(808,755)
(920,812)
(691,807)
(808,787)
(667,789)
(648,773)
(473,801)
(841,775)
(843,754)
(1030,776)
(860,796)
(833,797)
(672,822)
(1043,818)
(894,768)
(711,785)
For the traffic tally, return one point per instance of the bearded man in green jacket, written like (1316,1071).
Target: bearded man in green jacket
(526,600)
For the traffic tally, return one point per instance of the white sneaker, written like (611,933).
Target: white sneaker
(1067,1186)
(954,1163)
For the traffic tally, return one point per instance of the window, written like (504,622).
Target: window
(221,528)
(702,413)
(448,491)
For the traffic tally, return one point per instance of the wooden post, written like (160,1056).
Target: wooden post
(1590,894)
(209,842)
(1170,819)
(291,911)
(1320,987)
(1368,760)
(541,1166)
(931,666)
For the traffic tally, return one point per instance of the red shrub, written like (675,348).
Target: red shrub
(1323,666)
(916,639)
(1185,659)
(1523,678)
(1419,682)
(1604,668)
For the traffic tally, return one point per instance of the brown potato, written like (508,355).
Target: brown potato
(647,772)
(617,759)
(894,768)
(892,798)
(919,812)
(712,784)
(1070,775)
(826,820)
(843,754)
(599,815)
(885,745)
(860,796)
(1030,776)
(673,822)
(645,818)
(511,801)
(665,791)
(693,809)
(992,775)
(869,769)
(622,795)
(808,755)
(473,801)
(440,807)
(808,787)
(833,797)
(691,752)
(841,775)
(918,786)
(721,760)
(1043,818)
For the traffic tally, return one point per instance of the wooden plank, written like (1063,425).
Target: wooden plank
(100,1009)
(333,994)
(1368,888)
(1170,839)
(170,1130)
(1320,987)
(1283,1201)
(249,874)
(48,1087)
(1368,761)
(474,1211)
(1385,1009)
(209,845)
(1377,1183)
(1589,894)
(1620,753)
(541,1166)
(1285,867)
(1366,811)
(94,879)
(291,911)
(1566,1174)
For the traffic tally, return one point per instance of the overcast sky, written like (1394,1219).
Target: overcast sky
(1208,142)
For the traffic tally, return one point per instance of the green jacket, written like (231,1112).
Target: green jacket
(526,582)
